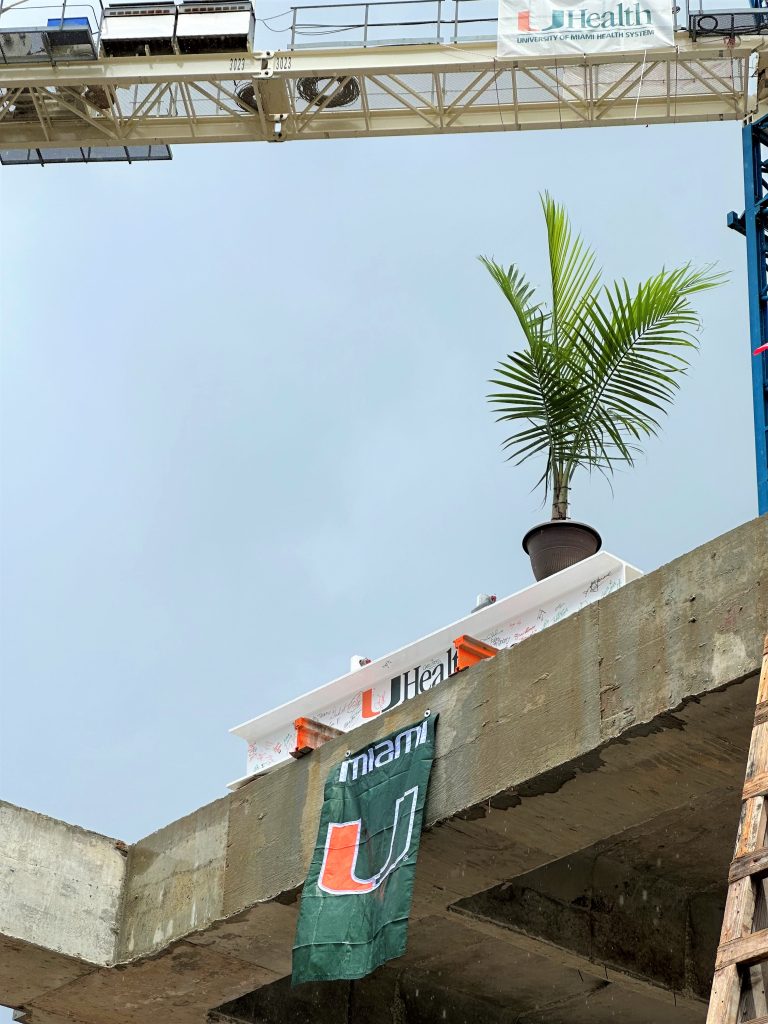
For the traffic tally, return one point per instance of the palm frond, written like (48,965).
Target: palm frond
(519,294)
(635,349)
(572,270)
(534,387)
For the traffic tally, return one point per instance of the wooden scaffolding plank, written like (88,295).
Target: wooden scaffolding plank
(740,984)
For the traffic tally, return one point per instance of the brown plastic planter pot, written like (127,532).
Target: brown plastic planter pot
(556,545)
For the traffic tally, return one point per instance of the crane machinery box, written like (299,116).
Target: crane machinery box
(374,687)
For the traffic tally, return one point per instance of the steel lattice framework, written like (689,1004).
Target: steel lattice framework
(390,90)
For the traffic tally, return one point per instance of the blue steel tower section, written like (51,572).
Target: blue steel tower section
(754,226)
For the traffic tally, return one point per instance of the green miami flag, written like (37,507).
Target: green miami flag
(357,896)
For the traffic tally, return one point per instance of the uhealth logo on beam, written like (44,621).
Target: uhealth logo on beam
(622,16)
(411,683)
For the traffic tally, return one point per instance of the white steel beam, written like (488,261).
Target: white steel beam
(403,90)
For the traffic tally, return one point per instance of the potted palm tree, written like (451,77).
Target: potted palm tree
(598,366)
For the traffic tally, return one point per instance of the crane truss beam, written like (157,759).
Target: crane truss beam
(395,90)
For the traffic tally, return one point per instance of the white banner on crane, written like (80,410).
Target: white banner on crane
(542,28)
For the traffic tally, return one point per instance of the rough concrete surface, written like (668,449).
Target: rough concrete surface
(580,821)
(180,871)
(60,886)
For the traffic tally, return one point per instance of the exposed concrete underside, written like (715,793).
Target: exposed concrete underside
(581,818)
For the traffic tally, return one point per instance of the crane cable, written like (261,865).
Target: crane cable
(640,84)
(496,87)
(677,69)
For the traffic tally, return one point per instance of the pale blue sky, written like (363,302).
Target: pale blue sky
(244,433)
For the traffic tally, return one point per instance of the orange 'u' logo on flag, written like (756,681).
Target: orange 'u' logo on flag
(338,875)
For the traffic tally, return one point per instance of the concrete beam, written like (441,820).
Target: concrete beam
(630,924)
(60,891)
(636,707)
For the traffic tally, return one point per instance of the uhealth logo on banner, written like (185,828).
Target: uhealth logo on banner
(541,28)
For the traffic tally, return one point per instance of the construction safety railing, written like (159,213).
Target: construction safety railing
(344,25)
(393,22)
(729,25)
(445,22)
(46,33)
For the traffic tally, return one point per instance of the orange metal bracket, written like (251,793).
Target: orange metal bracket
(470,651)
(311,734)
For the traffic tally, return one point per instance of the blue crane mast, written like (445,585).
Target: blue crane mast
(753,224)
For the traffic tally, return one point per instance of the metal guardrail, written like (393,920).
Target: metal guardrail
(728,24)
(84,155)
(393,22)
(375,22)
(55,11)
(49,33)
(447,22)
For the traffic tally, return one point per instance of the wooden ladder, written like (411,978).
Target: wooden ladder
(740,986)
